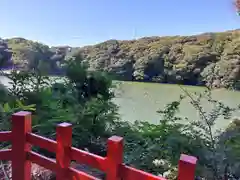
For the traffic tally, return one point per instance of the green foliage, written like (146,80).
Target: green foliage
(147,143)
(217,160)
(177,59)
(156,148)
(84,98)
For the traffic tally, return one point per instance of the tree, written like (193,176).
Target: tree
(82,98)
(5,54)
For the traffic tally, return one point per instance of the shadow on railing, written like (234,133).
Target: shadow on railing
(112,165)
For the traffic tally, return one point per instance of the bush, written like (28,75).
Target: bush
(83,99)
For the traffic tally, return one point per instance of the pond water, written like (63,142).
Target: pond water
(141,101)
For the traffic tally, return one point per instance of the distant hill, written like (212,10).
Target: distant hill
(211,59)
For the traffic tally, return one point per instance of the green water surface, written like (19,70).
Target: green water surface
(141,101)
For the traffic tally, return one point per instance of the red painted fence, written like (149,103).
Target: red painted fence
(21,155)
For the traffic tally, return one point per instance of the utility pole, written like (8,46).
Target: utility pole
(134,34)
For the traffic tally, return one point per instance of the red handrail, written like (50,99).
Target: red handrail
(22,156)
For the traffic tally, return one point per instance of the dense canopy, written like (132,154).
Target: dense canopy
(210,59)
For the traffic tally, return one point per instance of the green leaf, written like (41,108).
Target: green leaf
(6,107)
(19,104)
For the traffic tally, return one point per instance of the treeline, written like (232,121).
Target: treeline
(210,59)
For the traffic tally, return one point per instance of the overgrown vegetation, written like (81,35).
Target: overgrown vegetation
(84,98)
(210,59)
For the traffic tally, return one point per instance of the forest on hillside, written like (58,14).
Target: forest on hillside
(84,98)
(211,59)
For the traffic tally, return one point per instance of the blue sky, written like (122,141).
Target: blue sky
(85,22)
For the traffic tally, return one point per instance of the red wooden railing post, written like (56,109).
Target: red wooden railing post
(186,167)
(63,151)
(21,125)
(114,157)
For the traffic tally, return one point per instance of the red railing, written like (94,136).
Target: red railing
(21,155)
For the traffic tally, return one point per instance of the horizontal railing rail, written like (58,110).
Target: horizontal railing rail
(21,155)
